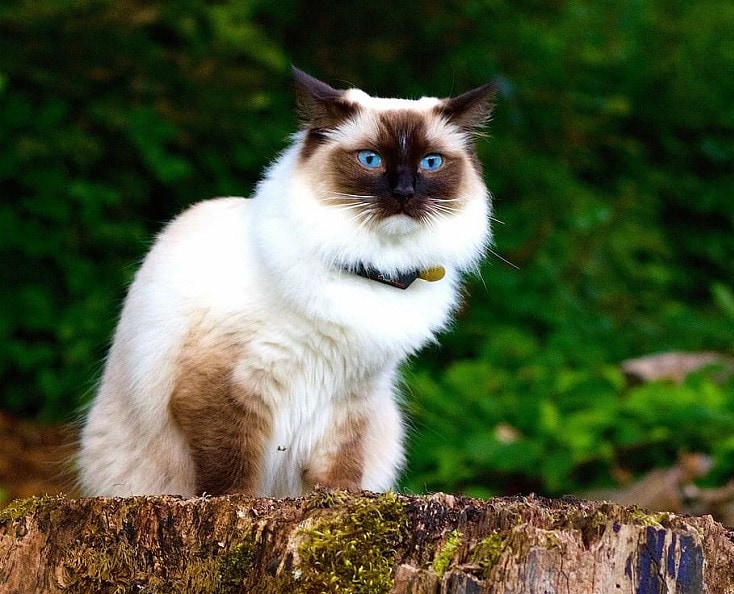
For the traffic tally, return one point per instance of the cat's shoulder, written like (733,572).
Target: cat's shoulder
(226,208)
(205,236)
(202,257)
(213,218)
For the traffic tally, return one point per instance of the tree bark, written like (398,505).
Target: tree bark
(359,542)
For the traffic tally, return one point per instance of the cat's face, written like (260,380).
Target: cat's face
(391,165)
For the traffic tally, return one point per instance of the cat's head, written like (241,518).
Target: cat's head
(391,183)
(394,165)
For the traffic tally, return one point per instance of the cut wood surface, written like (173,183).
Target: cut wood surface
(359,542)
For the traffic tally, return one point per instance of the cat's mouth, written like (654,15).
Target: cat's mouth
(391,214)
(398,215)
(397,205)
(414,205)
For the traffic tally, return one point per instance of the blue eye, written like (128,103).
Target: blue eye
(431,162)
(369,159)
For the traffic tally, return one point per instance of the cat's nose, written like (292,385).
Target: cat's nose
(403,193)
(404,187)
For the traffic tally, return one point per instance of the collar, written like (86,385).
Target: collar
(401,280)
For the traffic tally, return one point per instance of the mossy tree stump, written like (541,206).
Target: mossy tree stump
(340,542)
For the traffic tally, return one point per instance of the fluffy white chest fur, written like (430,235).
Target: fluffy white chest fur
(254,352)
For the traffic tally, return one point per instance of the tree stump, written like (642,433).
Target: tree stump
(358,542)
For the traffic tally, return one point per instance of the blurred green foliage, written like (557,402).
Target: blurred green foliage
(611,157)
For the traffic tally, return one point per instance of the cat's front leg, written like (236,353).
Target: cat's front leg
(364,450)
(226,427)
(338,461)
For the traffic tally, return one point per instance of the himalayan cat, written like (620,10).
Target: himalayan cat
(258,347)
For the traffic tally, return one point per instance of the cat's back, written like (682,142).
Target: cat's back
(205,239)
(201,259)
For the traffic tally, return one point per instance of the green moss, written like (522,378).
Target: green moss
(654,519)
(552,540)
(235,565)
(19,508)
(351,549)
(486,552)
(443,557)
(326,499)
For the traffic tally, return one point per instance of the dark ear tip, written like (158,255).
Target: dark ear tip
(297,73)
(319,104)
(313,86)
(472,110)
(300,76)
(494,86)
(487,92)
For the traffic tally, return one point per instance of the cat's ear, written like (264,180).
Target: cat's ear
(319,105)
(471,110)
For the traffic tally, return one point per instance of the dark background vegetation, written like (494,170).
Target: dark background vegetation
(611,158)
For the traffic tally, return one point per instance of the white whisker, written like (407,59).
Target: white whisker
(356,196)
(356,205)
(478,272)
(432,219)
(363,216)
(439,210)
(505,260)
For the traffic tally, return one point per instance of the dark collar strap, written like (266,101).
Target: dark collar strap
(399,281)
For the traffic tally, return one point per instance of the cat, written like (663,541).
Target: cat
(258,347)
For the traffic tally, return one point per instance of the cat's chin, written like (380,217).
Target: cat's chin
(398,224)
